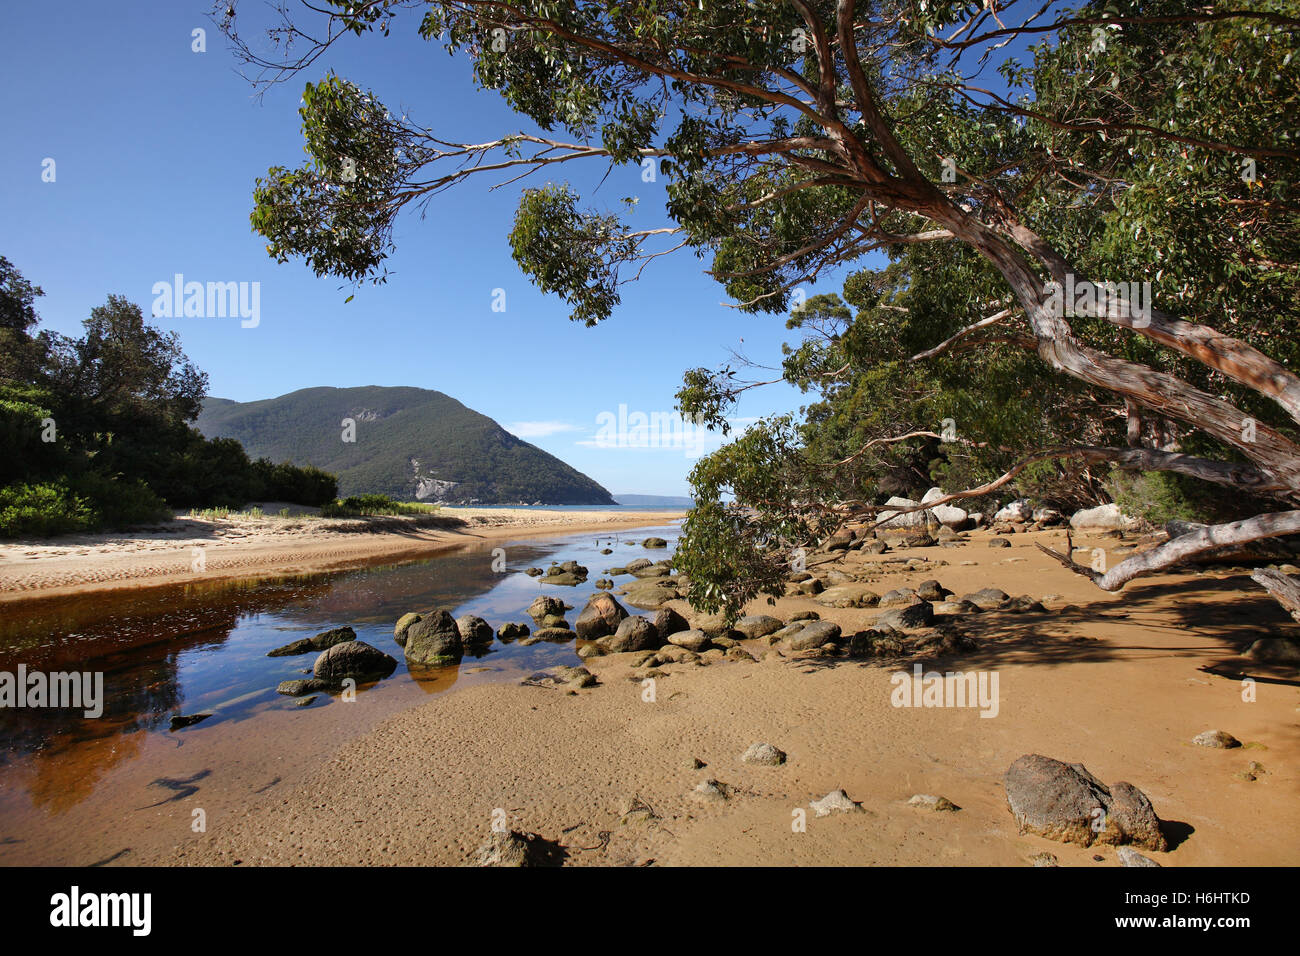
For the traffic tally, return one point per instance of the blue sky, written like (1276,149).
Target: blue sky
(157,148)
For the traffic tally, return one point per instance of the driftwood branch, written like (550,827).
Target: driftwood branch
(1284,588)
(1186,546)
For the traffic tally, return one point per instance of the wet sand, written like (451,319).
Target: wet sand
(1120,683)
(209,549)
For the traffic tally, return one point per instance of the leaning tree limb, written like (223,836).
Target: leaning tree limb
(1183,547)
(1284,588)
(859,150)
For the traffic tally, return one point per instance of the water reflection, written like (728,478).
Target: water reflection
(202,647)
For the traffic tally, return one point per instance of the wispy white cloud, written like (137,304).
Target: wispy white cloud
(540,429)
(669,433)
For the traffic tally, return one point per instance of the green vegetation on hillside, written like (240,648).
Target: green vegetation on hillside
(402,435)
(95,433)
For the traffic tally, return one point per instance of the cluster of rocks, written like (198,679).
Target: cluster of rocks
(571,573)
(887,637)
(566,574)
(900,524)
(436,639)
(340,657)
(605,627)
(826,575)
(653,584)
(928,606)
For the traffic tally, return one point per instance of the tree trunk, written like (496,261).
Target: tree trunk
(1276,457)
(1134,423)
(1284,588)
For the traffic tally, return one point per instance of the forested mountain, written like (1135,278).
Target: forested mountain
(409,443)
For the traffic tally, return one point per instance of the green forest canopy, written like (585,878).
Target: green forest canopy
(96,429)
(994,154)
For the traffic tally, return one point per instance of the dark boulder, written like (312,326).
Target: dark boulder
(474,631)
(667,621)
(909,617)
(323,640)
(353,659)
(633,634)
(511,631)
(600,617)
(434,641)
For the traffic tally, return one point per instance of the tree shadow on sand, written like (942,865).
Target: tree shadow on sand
(1221,615)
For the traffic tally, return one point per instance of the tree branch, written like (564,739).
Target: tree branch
(1185,546)
(1284,588)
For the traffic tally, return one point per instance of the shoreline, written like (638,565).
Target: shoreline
(1120,683)
(242,546)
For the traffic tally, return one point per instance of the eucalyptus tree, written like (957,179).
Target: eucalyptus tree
(800,136)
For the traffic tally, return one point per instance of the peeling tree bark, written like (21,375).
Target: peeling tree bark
(1134,423)
(1284,588)
(1272,453)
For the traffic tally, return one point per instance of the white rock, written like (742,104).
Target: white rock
(711,791)
(916,519)
(1131,857)
(1101,518)
(1018,510)
(833,801)
(948,515)
(765,754)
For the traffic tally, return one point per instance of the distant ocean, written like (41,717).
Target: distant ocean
(580,507)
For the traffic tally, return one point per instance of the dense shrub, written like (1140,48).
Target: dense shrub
(373,505)
(120,502)
(1160,497)
(285,482)
(95,433)
(23,413)
(86,502)
(216,473)
(39,509)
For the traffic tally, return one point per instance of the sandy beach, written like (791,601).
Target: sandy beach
(1120,683)
(244,546)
